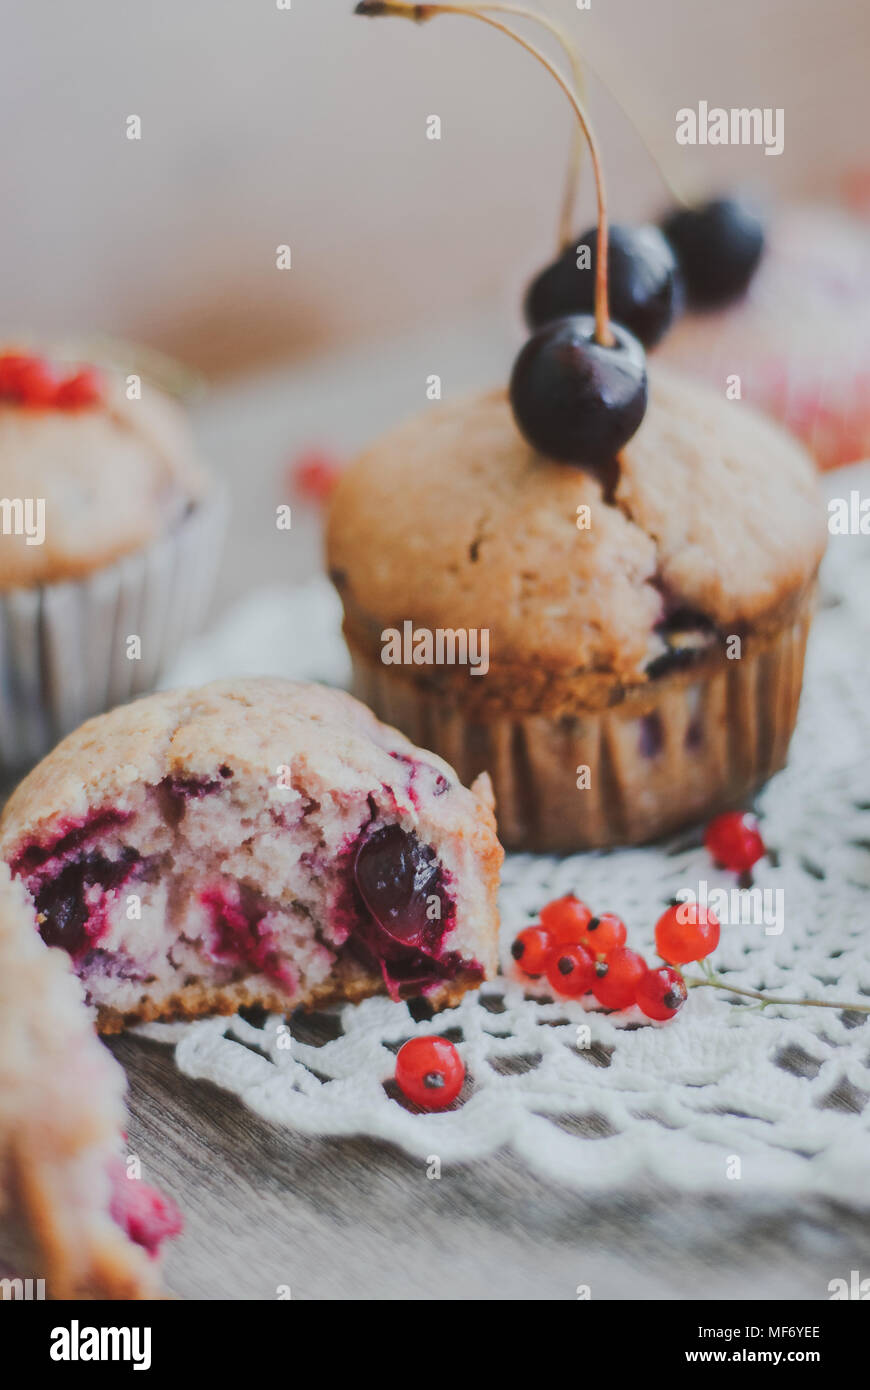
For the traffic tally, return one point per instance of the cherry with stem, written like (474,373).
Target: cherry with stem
(422,13)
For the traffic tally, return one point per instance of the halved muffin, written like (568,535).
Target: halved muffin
(255,842)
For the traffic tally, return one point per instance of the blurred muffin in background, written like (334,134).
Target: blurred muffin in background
(800,338)
(109,535)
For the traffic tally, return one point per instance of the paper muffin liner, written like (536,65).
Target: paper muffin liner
(64,647)
(688,745)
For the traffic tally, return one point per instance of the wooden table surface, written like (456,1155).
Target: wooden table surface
(357,1219)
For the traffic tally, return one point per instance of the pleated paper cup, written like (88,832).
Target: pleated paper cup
(679,750)
(67,650)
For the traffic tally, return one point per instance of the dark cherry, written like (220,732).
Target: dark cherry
(396,875)
(688,637)
(643,282)
(718,246)
(61,901)
(575,400)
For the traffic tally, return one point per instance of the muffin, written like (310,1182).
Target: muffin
(255,842)
(69,1213)
(628,668)
(799,339)
(109,533)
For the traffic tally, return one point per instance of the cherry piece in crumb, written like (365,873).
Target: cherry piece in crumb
(574,399)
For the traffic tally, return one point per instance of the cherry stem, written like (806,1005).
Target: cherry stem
(715,983)
(572,180)
(421,13)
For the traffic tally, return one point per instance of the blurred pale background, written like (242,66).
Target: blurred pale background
(306,126)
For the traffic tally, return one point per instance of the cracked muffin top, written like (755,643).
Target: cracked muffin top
(109,474)
(452,520)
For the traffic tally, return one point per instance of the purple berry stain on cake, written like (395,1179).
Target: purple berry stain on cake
(436,784)
(72,884)
(240,937)
(402,911)
(68,836)
(687,637)
(652,736)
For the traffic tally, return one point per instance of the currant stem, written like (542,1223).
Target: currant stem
(715,983)
(421,13)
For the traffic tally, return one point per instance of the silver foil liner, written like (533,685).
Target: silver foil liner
(64,647)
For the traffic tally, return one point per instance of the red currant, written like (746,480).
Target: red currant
(314,474)
(566,919)
(617,978)
(571,971)
(36,384)
(604,934)
(531,950)
(12,364)
(734,840)
(429,1072)
(686,932)
(661,993)
(79,391)
(26,380)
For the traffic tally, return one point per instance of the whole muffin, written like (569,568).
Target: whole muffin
(110,530)
(639,663)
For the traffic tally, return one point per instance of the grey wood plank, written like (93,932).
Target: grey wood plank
(356,1219)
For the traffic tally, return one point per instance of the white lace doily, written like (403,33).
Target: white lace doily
(785,1090)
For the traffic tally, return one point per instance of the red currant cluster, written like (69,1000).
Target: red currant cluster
(581,953)
(32,382)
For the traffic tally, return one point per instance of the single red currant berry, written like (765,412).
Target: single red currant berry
(734,841)
(13,368)
(80,391)
(617,978)
(566,919)
(571,970)
(314,474)
(37,384)
(531,950)
(661,993)
(686,932)
(429,1072)
(604,934)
